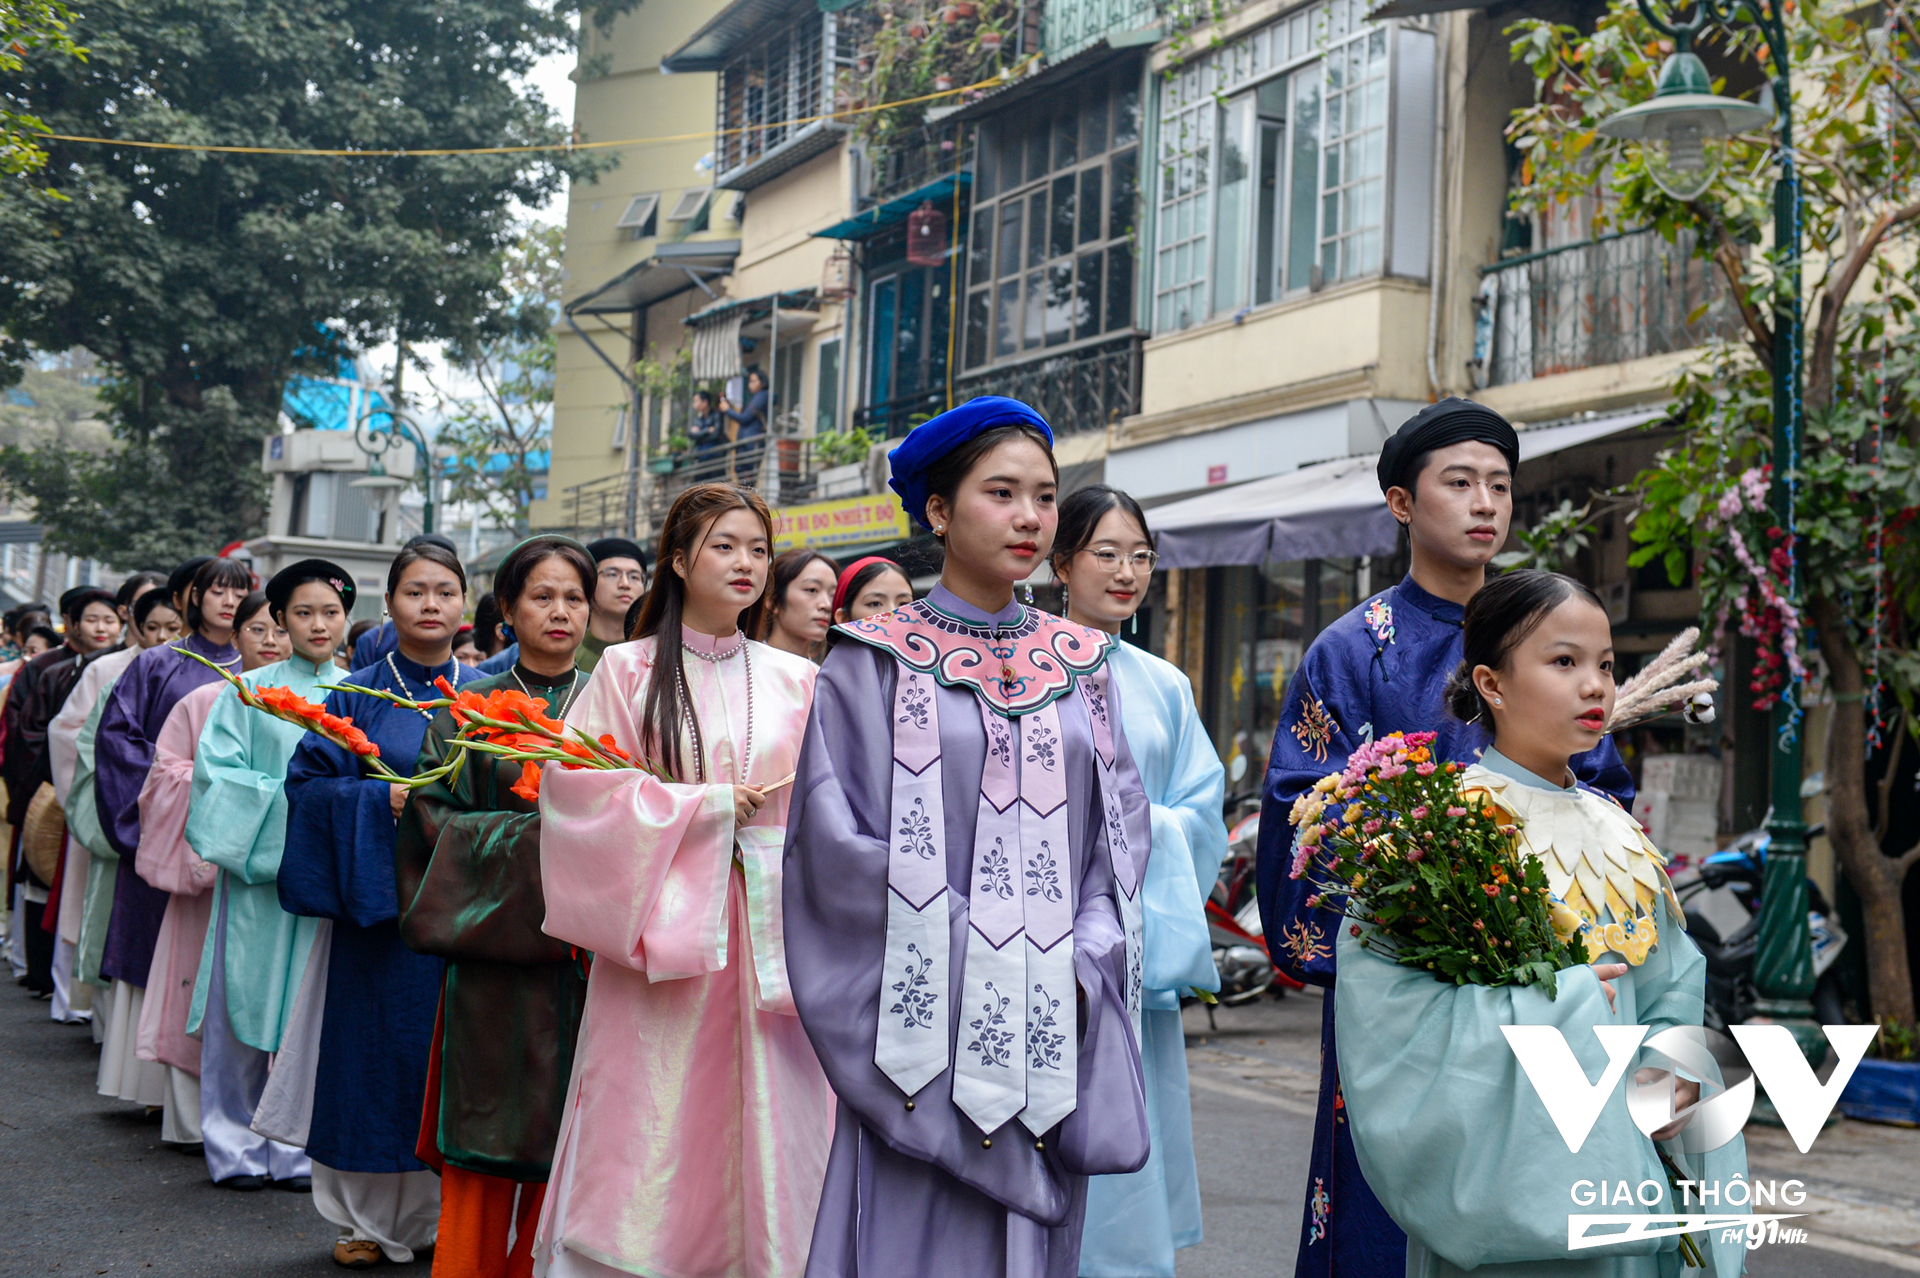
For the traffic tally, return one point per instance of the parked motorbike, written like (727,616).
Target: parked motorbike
(1721,899)
(1233,922)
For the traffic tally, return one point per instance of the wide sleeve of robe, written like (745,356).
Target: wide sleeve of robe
(163,858)
(239,818)
(635,868)
(338,858)
(467,864)
(1186,788)
(1451,1134)
(63,734)
(836,912)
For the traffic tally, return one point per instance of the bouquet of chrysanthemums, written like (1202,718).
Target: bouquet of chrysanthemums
(1430,877)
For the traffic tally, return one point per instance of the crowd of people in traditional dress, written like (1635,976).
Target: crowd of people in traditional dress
(877,970)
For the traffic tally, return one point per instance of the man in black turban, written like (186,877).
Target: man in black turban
(1448,477)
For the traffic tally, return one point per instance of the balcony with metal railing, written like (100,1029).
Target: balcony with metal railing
(1068,26)
(932,152)
(785,470)
(1084,389)
(1603,301)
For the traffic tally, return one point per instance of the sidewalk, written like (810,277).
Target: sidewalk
(1863,1187)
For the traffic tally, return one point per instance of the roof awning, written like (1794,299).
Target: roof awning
(717,330)
(1420,8)
(881,216)
(673,268)
(1329,510)
(709,48)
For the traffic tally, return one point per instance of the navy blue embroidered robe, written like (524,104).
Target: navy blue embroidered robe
(378,1024)
(1380,669)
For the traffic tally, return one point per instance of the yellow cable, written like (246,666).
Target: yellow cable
(403,153)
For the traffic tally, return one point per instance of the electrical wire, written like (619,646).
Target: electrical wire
(401,153)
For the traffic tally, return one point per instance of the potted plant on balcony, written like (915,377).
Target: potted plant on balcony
(917,49)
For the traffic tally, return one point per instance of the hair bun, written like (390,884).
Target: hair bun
(1461,698)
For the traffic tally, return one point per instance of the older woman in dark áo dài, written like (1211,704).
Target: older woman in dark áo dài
(467,865)
(968,748)
(377,1023)
(1448,474)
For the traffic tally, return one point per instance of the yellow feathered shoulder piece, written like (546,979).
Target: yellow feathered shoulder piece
(1597,859)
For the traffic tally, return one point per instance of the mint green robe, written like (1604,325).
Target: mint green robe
(238,822)
(83,824)
(1456,1143)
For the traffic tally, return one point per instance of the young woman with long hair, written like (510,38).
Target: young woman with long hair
(1103,558)
(800,601)
(256,951)
(468,867)
(377,1022)
(135,712)
(697,1133)
(962,893)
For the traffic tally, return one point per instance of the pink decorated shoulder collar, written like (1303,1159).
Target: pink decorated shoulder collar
(1016,668)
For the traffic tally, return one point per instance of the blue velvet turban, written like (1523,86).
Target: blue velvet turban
(933,439)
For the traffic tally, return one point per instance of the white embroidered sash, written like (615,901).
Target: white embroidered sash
(1017,1056)
(1129,863)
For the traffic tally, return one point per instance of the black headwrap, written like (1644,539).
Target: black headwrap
(182,577)
(616,548)
(293,576)
(1451,421)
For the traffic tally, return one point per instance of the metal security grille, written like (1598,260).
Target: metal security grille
(1616,298)
(1083,390)
(1068,26)
(777,89)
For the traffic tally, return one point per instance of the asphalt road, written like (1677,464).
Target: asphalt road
(92,1190)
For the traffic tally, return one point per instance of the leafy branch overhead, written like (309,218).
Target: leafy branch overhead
(1840,573)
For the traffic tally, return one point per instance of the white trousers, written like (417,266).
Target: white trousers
(398,1210)
(65,989)
(180,1119)
(123,1075)
(17,932)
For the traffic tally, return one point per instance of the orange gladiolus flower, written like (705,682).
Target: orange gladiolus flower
(528,786)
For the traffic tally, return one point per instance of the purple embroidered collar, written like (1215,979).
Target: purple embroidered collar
(1017,661)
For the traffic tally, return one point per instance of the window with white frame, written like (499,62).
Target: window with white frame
(1275,167)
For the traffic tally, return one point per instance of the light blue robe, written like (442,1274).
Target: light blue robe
(1454,1140)
(238,822)
(1136,1222)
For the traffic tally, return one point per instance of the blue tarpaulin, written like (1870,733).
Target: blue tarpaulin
(881,216)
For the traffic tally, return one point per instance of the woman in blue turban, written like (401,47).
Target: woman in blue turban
(964,857)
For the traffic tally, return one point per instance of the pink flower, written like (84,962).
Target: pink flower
(1456,812)
(1302,853)
(1419,813)
(1354,930)
(1416,854)
(1372,827)
(1425,769)
(1388,771)
(1417,739)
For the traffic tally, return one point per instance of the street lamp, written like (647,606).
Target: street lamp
(395,431)
(1683,129)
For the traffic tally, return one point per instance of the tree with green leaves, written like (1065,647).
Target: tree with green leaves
(203,280)
(1703,505)
(28,27)
(491,439)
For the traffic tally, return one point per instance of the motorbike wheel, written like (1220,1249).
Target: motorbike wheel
(1829,1008)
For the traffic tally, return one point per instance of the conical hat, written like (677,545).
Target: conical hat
(43,835)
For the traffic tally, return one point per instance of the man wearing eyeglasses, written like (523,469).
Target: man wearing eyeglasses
(622,579)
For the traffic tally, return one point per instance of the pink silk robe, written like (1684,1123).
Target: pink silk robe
(165,861)
(698,1118)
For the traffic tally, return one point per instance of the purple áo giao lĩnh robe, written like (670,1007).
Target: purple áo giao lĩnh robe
(914,1186)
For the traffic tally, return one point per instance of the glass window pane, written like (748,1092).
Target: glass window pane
(1037,227)
(1061,241)
(1036,309)
(1231,208)
(1037,153)
(1010,237)
(826,414)
(1086,302)
(909,365)
(1093,122)
(985,152)
(1303,227)
(1126,114)
(1059,303)
(1119,287)
(1120,194)
(977,328)
(980,247)
(880,376)
(1090,204)
(1006,327)
(1066,139)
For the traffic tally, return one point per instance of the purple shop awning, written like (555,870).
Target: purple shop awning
(1328,510)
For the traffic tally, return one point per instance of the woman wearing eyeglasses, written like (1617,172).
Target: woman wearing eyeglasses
(1103,556)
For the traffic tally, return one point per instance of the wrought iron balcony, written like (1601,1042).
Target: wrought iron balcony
(1083,389)
(1068,26)
(935,151)
(1604,301)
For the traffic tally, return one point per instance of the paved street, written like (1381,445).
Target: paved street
(93,1191)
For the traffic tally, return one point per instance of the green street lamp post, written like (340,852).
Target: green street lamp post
(1682,131)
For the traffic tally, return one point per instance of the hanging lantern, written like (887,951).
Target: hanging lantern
(926,235)
(836,279)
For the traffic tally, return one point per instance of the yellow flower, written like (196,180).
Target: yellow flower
(1326,783)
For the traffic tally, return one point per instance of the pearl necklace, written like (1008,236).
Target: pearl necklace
(693,724)
(572,687)
(408,692)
